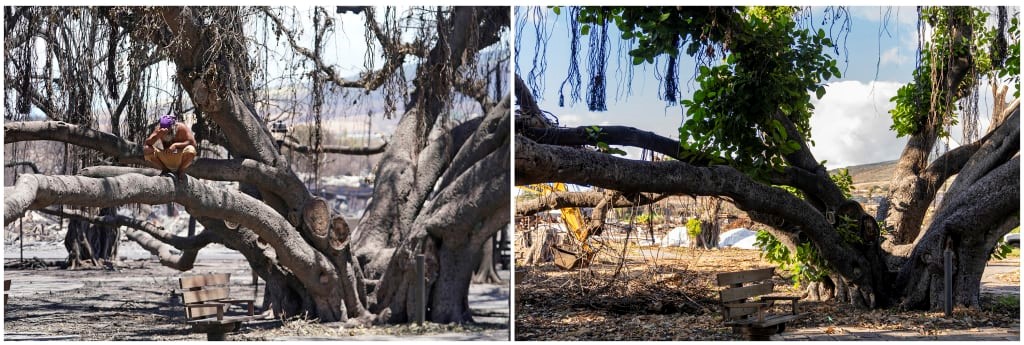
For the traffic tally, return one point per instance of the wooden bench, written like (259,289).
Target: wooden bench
(749,317)
(206,303)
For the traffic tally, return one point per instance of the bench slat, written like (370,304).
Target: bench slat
(730,278)
(205,295)
(205,280)
(735,294)
(226,320)
(768,321)
(201,312)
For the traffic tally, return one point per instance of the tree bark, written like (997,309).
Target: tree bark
(485,272)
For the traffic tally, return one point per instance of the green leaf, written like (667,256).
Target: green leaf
(820,92)
(692,49)
(585,29)
(664,16)
(793,145)
(637,60)
(698,96)
(835,71)
(557,10)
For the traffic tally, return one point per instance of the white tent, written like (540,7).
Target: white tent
(676,238)
(740,238)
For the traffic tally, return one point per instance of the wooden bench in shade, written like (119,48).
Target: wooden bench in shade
(746,307)
(206,304)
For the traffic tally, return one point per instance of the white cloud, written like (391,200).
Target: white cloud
(896,56)
(851,123)
(897,15)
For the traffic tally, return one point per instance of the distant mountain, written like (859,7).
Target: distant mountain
(871,174)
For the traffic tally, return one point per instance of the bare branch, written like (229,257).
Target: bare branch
(344,150)
(395,55)
(154,239)
(30,165)
(557,200)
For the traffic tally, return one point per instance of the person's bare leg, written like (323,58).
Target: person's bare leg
(187,156)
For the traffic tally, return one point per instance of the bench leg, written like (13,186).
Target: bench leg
(216,336)
(756,333)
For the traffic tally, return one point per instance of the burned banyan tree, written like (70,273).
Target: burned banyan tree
(746,133)
(97,78)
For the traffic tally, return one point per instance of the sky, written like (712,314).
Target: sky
(850,125)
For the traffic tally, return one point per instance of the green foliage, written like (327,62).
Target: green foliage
(1001,251)
(804,266)
(594,135)
(916,100)
(1011,70)
(648,217)
(844,181)
(693,228)
(849,229)
(771,66)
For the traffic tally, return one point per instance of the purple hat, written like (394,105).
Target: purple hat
(167,121)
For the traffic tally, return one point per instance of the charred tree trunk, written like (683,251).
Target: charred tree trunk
(485,272)
(538,246)
(91,245)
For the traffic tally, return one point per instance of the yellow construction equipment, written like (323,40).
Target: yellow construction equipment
(573,219)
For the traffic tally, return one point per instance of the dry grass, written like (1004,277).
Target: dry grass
(672,296)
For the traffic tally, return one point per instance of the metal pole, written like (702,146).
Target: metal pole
(421,291)
(947,258)
(21,236)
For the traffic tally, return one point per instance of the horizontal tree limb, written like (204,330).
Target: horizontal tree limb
(539,163)
(154,239)
(200,199)
(556,200)
(344,150)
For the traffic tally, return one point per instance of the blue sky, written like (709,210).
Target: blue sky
(850,125)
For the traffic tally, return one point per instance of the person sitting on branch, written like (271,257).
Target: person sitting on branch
(177,147)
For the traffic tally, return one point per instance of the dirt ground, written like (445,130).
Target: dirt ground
(669,294)
(137,301)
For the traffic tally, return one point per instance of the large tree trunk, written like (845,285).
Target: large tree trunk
(485,272)
(913,184)
(91,245)
(980,208)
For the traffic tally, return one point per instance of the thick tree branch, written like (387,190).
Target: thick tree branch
(200,199)
(556,200)
(241,170)
(475,89)
(490,134)
(30,165)
(539,163)
(528,115)
(343,150)
(611,135)
(118,149)
(154,239)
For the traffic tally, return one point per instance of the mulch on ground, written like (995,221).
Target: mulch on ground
(136,301)
(669,294)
